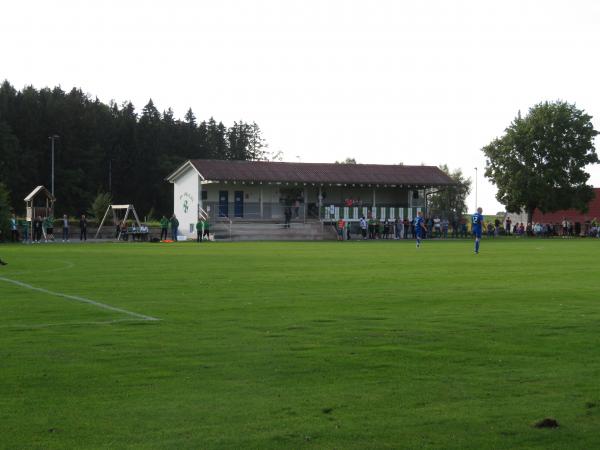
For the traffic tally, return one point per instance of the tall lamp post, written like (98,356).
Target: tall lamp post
(52,139)
(476,204)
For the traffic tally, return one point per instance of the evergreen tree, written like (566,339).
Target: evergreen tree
(105,147)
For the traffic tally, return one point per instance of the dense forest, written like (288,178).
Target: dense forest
(106,148)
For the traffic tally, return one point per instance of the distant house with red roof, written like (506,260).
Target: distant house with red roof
(571,214)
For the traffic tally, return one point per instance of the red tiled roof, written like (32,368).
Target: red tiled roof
(269,171)
(571,214)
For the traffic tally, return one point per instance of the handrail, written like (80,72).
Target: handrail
(202,213)
(230,223)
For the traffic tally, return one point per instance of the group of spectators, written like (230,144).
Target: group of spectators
(443,228)
(42,229)
(371,228)
(565,229)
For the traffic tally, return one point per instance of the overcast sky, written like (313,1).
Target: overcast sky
(380,81)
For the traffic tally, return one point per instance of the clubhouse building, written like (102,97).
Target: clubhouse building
(264,191)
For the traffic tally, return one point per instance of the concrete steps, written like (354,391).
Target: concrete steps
(248,231)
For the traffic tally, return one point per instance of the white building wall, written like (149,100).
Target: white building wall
(185,202)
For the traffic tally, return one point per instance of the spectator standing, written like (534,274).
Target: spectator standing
(206,233)
(25,230)
(454,227)
(340,229)
(445,228)
(371,228)
(490,230)
(570,226)
(287,214)
(14,231)
(83,224)
(406,226)
(174,227)
(164,227)
(347,231)
(398,228)
(363,227)
(49,224)
(437,226)
(65,228)
(386,229)
(463,227)
(199,231)
(508,224)
(496,226)
(429,229)
(37,229)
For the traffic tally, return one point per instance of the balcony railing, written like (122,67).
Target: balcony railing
(276,211)
(379,212)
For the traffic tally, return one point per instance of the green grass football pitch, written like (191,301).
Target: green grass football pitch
(324,345)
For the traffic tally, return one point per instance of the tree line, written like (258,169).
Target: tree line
(106,147)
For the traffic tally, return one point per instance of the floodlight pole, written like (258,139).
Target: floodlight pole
(52,138)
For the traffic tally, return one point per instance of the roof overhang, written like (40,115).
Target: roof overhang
(36,191)
(181,170)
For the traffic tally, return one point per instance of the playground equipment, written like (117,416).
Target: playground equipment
(116,221)
(39,202)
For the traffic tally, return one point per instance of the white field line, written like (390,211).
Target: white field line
(67,265)
(80,299)
(60,324)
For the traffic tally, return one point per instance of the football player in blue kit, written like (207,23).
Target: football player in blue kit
(477,225)
(420,227)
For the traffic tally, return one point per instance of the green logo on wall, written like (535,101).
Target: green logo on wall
(187,200)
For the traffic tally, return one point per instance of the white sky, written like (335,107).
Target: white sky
(381,81)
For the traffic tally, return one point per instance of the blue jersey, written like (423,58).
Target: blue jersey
(418,223)
(477,222)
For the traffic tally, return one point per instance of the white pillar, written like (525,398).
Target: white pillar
(200,195)
(305,198)
(260,196)
(320,201)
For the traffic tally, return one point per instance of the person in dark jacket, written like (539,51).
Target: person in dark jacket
(83,223)
(164,227)
(174,227)
(37,229)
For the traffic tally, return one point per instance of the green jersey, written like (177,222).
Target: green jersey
(164,222)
